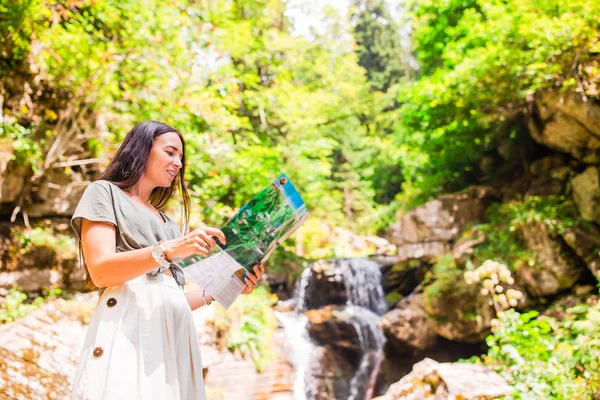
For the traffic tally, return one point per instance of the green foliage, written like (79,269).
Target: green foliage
(481,61)
(445,277)
(19,19)
(378,44)
(502,231)
(543,358)
(558,213)
(251,100)
(64,245)
(15,304)
(24,148)
(250,325)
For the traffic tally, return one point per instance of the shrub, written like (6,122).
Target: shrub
(247,327)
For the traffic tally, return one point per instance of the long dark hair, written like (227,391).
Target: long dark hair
(129,162)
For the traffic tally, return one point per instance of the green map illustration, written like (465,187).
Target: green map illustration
(256,230)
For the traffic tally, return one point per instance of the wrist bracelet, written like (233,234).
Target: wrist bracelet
(206,304)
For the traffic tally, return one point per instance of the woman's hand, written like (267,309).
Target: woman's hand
(198,241)
(253,278)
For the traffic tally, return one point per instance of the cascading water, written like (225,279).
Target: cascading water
(336,343)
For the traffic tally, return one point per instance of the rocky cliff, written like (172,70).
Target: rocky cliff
(544,225)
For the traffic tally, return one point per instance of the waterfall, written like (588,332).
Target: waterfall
(360,278)
(347,298)
(299,349)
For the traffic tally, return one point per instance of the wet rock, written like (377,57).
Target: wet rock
(407,327)
(558,309)
(39,258)
(459,313)
(56,195)
(340,281)
(348,353)
(427,231)
(586,193)
(564,122)
(432,380)
(401,277)
(31,280)
(328,327)
(12,175)
(549,176)
(39,352)
(349,330)
(463,247)
(328,375)
(542,166)
(557,268)
(586,245)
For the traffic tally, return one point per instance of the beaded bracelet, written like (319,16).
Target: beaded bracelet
(206,304)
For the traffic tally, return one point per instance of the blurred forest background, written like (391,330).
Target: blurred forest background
(368,114)
(373,108)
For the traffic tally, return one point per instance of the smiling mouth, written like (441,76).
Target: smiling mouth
(172,174)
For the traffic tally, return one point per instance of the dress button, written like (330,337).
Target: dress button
(98,351)
(111,302)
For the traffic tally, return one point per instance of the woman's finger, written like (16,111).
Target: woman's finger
(207,238)
(216,232)
(252,278)
(201,242)
(200,249)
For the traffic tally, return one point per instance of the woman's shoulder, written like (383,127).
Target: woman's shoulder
(99,190)
(102,183)
(103,186)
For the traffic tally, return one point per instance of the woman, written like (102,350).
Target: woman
(141,342)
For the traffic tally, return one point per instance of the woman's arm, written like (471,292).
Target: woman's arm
(195,299)
(106,266)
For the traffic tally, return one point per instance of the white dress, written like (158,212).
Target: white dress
(141,344)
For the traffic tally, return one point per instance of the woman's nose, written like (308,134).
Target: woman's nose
(178,164)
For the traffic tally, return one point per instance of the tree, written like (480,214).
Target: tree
(378,43)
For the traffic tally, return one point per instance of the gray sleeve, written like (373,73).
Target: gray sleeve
(96,204)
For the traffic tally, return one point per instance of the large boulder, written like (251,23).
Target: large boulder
(428,230)
(46,256)
(56,195)
(348,353)
(432,380)
(12,174)
(586,193)
(31,280)
(349,330)
(39,351)
(549,175)
(328,375)
(586,244)
(328,327)
(341,281)
(400,278)
(564,122)
(557,267)
(407,327)
(459,312)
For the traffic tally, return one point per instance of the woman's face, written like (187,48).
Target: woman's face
(164,161)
